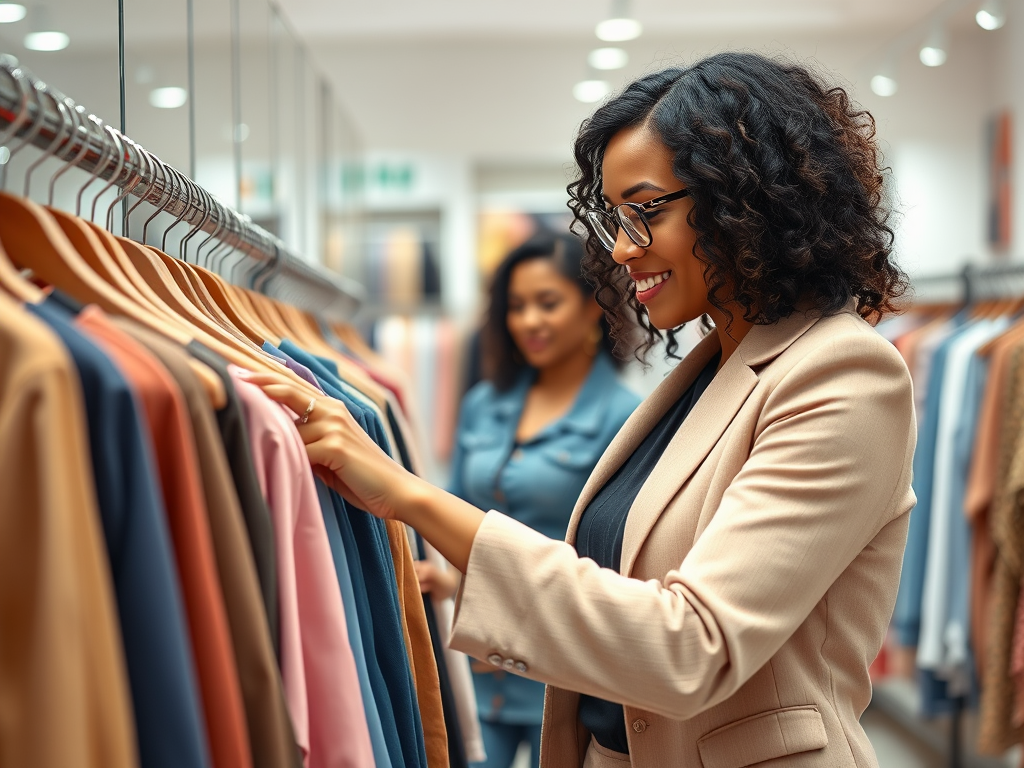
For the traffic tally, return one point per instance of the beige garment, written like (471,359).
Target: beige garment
(760,563)
(600,757)
(64,697)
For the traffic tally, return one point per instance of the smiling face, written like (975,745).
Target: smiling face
(669,279)
(549,317)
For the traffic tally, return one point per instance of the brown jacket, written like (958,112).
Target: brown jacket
(759,568)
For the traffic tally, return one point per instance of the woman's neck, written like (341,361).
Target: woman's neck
(566,374)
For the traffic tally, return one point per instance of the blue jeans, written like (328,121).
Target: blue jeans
(501,740)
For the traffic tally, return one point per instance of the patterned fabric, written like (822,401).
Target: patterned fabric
(996,730)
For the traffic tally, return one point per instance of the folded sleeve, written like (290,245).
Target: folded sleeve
(829,467)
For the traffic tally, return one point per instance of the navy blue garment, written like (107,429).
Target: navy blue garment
(381,751)
(381,584)
(168,714)
(603,523)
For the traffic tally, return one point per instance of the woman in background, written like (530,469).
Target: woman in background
(530,434)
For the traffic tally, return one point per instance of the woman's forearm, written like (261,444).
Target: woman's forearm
(447,522)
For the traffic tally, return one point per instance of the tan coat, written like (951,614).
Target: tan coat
(759,568)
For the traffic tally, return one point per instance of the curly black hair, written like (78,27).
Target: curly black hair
(502,361)
(788,189)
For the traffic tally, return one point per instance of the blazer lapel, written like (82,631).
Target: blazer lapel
(705,425)
(641,422)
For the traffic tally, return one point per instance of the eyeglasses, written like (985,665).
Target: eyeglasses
(631,217)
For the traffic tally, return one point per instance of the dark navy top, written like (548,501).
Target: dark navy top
(601,528)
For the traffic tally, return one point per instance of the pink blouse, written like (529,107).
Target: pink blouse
(321,683)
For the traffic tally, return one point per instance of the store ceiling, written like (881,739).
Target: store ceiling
(513,18)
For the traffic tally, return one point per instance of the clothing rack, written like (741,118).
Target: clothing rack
(33,111)
(969,285)
(975,283)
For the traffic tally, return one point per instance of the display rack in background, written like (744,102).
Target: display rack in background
(35,113)
(952,738)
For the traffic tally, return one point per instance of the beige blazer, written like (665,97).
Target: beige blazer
(759,568)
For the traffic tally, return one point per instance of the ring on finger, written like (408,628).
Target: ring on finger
(304,418)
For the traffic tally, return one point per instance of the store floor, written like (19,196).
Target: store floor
(894,747)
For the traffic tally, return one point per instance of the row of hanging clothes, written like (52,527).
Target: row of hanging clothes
(176,587)
(958,625)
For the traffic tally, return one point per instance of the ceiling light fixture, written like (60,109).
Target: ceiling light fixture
(11,12)
(608,58)
(44,36)
(883,85)
(933,52)
(589,91)
(620,26)
(170,97)
(48,40)
(991,15)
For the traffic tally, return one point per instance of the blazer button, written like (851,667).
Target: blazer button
(495,659)
(508,664)
(521,667)
(639,726)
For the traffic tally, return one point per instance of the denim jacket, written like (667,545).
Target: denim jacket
(537,483)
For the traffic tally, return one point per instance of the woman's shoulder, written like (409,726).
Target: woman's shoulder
(836,351)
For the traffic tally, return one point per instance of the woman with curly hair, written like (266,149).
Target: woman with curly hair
(733,561)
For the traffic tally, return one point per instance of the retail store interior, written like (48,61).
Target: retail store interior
(407,146)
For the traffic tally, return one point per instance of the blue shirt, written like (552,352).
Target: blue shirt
(536,482)
(373,576)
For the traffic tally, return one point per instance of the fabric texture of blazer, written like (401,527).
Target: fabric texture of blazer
(760,563)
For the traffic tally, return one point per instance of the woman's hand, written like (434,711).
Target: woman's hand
(342,454)
(345,457)
(434,581)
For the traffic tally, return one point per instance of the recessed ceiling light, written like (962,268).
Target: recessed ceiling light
(608,58)
(883,85)
(991,15)
(932,56)
(50,40)
(619,30)
(933,52)
(589,91)
(11,12)
(170,97)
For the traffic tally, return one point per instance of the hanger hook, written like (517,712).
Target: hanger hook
(218,225)
(35,89)
(168,193)
(106,156)
(119,149)
(76,113)
(184,210)
(204,196)
(226,246)
(150,174)
(51,149)
(134,180)
(9,66)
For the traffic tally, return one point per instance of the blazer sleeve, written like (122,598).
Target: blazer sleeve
(829,467)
